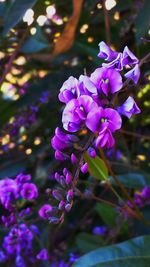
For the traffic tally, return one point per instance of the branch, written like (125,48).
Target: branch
(66,40)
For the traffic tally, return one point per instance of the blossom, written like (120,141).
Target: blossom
(84,168)
(91,152)
(106,52)
(86,86)
(29,191)
(105,139)
(8,192)
(69,90)
(99,119)
(45,211)
(129,108)
(75,112)
(100,230)
(62,140)
(106,80)
(43,255)
(128,58)
(133,74)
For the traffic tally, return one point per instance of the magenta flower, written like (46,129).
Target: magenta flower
(107,80)
(45,211)
(105,139)
(128,58)
(106,52)
(133,74)
(100,119)
(29,191)
(75,112)
(69,90)
(129,108)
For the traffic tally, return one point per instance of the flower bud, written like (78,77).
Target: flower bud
(84,168)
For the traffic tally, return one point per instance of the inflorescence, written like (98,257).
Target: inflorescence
(90,109)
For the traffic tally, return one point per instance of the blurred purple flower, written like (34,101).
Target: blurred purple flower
(43,255)
(45,211)
(29,191)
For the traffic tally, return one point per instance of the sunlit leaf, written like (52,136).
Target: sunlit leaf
(134,252)
(97,167)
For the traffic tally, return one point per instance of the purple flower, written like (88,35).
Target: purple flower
(100,119)
(133,74)
(20,261)
(3,257)
(115,64)
(18,239)
(107,80)
(129,108)
(29,191)
(69,90)
(91,152)
(45,211)
(84,168)
(106,52)
(145,194)
(86,86)
(21,179)
(43,255)
(62,140)
(8,192)
(105,139)
(128,58)
(9,220)
(60,155)
(100,230)
(75,112)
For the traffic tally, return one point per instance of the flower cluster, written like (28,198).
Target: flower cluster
(12,191)
(22,120)
(142,198)
(90,107)
(17,197)
(18,246)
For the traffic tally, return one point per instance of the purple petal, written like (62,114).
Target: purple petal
(128,57)
(106,52)
(133,74)
(129,108)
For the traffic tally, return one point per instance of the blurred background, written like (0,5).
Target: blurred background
(44,42)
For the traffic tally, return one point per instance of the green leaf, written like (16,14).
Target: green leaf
(142,21)
(35,43)
(107,213)
(15,13)
(133,180)
(97,167)
(134,252)
(87,242)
